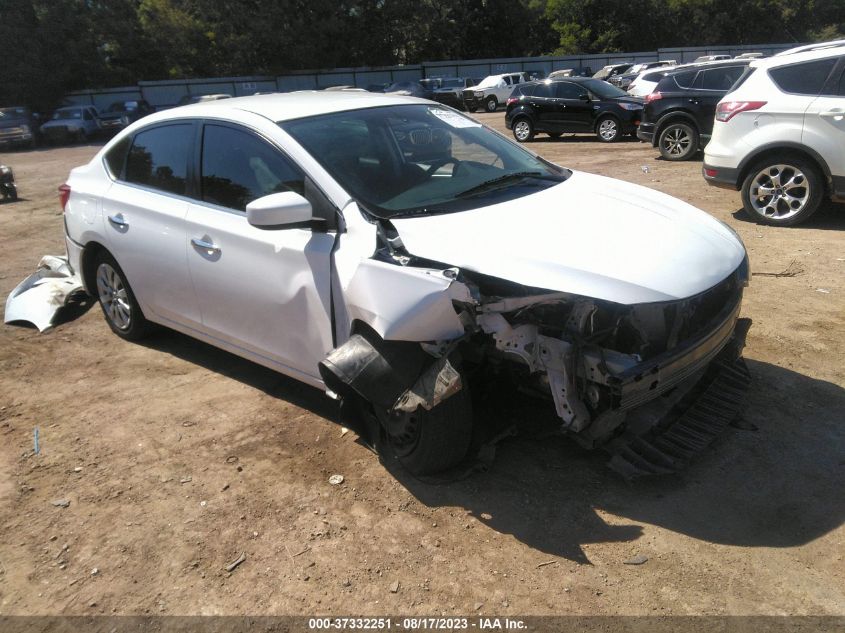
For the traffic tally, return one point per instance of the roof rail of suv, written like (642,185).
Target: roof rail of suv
(812,47)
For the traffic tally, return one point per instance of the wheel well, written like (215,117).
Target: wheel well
(781,153)
(89,259)
(673,117)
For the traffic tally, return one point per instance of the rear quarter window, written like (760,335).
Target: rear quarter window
(807,78)
(115,158)
(742,78)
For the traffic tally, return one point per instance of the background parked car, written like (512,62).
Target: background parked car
(624,80)
(572,104)
(74,123)
(645,83)
(188,99)
(492,91)
(451,90)
(779,136)
(410,89)
(710,58)
(613,69)
(121,113)
(678,114)
(18,127)
(579,71)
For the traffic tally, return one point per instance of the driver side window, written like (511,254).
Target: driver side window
(239,167)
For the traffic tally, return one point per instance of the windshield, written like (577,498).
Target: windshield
(409,160)
(603,89)
(74,113)
(491,82)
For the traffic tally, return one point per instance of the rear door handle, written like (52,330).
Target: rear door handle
(118,221)
(206,246)
(833,114)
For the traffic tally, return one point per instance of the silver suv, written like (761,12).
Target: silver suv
(779,135)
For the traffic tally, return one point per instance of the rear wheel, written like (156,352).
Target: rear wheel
(121,309)
(782,192)
(523,130)
(426,442)
(678,141)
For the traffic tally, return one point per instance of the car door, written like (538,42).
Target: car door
(824,125)
(263,291)
(541,98)
(144,212)
(710,86)
(574,110)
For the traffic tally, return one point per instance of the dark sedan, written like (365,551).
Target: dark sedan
(572,105)
(121,113)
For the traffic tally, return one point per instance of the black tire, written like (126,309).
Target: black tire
(13,193)
(678,141)
(608,129)
(427,442)
(555,135)
(115,296)
(523,129)
(491,103)
(786,205)
(472,108)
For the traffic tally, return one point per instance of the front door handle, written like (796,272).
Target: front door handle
(118,221)
(833,114)
(206,246)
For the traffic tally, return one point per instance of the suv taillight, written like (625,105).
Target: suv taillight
(511,100)
(727,110)
(64,195)
(653,96)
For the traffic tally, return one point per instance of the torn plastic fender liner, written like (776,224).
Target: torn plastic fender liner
(40,296)
(390,374)
(402,303)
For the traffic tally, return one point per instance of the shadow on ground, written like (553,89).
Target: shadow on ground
(777,486)
(829,217)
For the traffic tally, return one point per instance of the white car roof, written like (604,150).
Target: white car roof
(287,106)
(781,59)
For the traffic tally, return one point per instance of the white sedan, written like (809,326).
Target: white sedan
(394,252)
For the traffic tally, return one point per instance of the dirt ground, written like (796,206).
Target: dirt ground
(177,457)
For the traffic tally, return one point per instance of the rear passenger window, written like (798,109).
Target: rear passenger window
(568,90)
(116,157)
(547,91)
(803,79)
(159,158)
(685,80)
(720,78)
(238,167)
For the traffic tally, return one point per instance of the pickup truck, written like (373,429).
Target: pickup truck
(493,91)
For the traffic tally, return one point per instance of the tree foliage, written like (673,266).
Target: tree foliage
(49,47)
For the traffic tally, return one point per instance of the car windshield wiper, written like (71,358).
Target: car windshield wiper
(493,183)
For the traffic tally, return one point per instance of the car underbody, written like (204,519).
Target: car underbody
(653,383)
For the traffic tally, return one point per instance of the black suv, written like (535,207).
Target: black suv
(573,104)
(678,114)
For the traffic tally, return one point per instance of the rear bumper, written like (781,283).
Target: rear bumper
(722,177)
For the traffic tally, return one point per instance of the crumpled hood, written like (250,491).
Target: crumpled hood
(590,235)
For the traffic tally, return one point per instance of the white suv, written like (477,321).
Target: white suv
(779,136)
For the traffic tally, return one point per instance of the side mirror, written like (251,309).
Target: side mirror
(278,209)
(584,97)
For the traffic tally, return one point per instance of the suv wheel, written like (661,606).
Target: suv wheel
(491,103)
(523,131)
(608,130)
(122,312)
(782,193)
(678,141)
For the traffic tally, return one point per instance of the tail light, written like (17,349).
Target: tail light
(653,96)
(511,100)
(64,195)
(727,110)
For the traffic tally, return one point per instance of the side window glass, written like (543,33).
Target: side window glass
(86,114)
(803,79)
(159,158)
(841,91)
(721,78)
(116,157)
(545,91)
(238,167)
(508,81)
(567,90)
(685,80)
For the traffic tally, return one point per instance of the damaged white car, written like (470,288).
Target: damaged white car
(386,250)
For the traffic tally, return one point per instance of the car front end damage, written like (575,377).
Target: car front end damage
(652,383)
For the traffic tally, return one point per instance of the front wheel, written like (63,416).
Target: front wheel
(608,130)
(472,108)
(523,131)
(491,103)
(427,442)
(121,309)
(782,192)
(678,141)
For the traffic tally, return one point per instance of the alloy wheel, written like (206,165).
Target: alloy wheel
(677,141)
(608,129)
(779,191)
(113,296)
(522,130)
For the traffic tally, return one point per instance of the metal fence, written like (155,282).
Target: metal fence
(164,94)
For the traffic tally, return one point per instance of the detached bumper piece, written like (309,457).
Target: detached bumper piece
(668,446)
